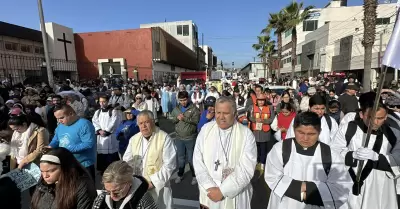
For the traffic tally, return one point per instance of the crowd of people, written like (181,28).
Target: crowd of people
(305,141)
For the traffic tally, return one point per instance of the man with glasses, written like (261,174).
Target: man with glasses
(152,154)
(329,127)
(185,116)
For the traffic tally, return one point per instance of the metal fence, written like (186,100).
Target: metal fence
(19,68)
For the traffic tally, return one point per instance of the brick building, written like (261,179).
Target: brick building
(146,53)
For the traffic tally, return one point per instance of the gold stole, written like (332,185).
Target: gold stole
(237,139)
(154,159)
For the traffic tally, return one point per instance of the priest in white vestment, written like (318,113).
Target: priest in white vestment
(376,187)
(329,126)
(152,154)
(303,172)
(224,159)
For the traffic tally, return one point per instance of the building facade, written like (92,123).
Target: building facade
(145,53)
(208,56)
(331,40)
(22,54)
(184,31)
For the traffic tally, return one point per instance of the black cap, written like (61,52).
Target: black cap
(352,86)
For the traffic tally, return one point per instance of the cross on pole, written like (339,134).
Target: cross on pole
(65,41)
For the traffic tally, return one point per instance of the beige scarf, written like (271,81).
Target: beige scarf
(154,158)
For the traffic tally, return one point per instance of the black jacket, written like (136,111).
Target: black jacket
(10,195)
(241,101)
(85,194)
(51,121)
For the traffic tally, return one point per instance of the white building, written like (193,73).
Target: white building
(330,40)
(22,53)
(183,31)
(208,56)
(254,71)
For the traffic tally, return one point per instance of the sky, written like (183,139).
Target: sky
(230,27)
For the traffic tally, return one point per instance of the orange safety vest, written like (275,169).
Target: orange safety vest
(265,113)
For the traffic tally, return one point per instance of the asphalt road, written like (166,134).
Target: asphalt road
(186,195)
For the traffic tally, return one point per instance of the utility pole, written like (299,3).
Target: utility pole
(45,45)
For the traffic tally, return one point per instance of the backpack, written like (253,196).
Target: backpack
(109,112)
(325,154)
(328,121)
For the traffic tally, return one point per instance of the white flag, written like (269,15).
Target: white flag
(392,53)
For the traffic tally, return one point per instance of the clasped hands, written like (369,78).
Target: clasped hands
(215,194)
(365,154)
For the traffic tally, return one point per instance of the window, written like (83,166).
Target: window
(11,46)
(37,50)
(288,33)
(41,50)
(186,30)
(26,48)
(179,30)
(383,21)
(299,59)
(157,46)
(310,25)
(1,45)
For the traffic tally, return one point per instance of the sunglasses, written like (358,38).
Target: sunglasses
(394,106)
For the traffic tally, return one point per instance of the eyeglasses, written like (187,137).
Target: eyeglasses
(394,106)
(117,192)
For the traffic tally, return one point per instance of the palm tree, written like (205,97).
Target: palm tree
(264,48)
(270,51)
(295,14)
(277,22)
(369,39)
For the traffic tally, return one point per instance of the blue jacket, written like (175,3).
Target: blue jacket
(303,88)
(124,133)
(203,120)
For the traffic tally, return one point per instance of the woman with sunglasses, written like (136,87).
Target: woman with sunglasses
(123,190)
(64,183)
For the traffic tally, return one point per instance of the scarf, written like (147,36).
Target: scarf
(235,152)
(20,143)
(284,122)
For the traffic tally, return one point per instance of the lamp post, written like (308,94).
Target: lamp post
(45,45)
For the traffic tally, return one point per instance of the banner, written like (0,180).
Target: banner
(26,177)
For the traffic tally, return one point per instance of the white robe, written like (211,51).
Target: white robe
(103,121)
(379,189)
(333,188)
(236,188)
(325,136)
(160,179)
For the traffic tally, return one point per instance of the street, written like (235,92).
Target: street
(186,195)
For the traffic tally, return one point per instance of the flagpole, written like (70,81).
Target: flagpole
(372,118)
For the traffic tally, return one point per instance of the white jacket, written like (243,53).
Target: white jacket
(4,151)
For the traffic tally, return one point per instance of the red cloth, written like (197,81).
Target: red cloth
(284,122)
